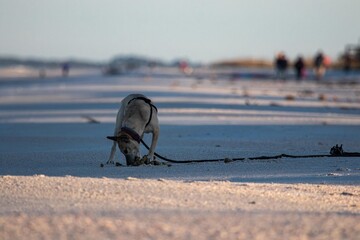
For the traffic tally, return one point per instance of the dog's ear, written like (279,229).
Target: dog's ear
(122,138)
(114,138)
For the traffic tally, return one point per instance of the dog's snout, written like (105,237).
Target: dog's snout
(129,160)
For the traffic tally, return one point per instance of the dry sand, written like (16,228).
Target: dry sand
(41,207)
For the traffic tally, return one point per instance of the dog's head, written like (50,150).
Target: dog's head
(128,146)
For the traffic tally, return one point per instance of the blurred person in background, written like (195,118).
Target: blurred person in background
(319,65)
(65,69)
(299,66)
(281,65)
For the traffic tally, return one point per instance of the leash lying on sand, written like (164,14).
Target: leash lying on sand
(335,151)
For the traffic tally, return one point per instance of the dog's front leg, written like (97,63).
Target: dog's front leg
(112,153)
(155,137)
(119,119)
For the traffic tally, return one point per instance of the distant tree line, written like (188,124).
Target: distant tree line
(40,63)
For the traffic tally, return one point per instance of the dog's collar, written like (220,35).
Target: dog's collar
(134,135)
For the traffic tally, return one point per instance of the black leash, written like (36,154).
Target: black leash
(335,151)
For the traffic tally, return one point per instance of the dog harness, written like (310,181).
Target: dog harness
(148,101)
(134,135)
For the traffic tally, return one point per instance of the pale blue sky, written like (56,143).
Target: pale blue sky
(201,30)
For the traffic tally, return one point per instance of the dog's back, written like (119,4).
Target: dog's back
(121,112)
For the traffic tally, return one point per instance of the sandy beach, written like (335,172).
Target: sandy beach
(40,207)
(52,185)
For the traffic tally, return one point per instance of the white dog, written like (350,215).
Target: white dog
(137,115)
